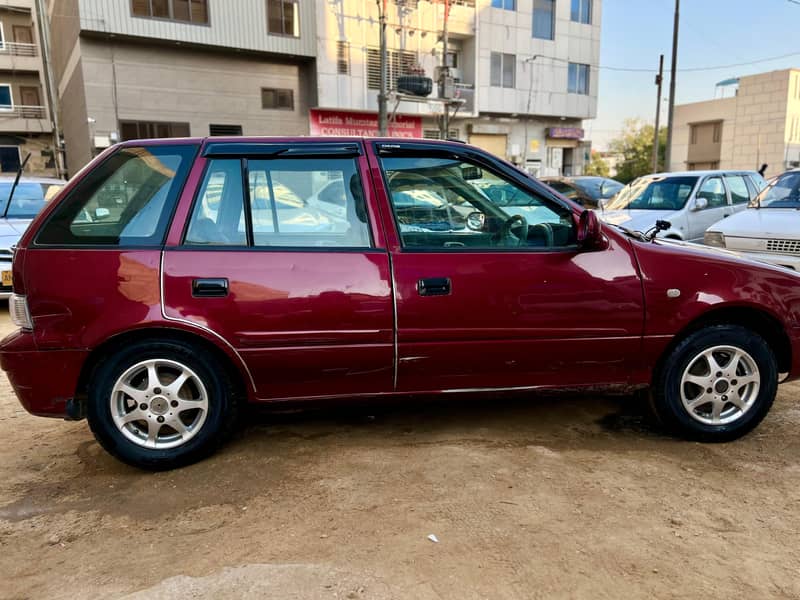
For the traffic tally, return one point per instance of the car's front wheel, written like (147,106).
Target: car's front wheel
(160,405)
(717,384)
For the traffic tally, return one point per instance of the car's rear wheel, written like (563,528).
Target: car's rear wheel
(717,384)
(160,405)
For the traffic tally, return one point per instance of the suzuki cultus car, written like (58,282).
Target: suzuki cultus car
(172,281)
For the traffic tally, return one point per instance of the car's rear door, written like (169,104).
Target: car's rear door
(476,307)
(303,296)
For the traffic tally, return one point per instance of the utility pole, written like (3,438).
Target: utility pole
(444,75)
(673,73)
(43,25)
(383,119)
(659,80)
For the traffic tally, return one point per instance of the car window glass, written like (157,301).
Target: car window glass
(443,203)
(564,189)
(714,192)
(294,203)
(784,192)
(218,218)
(739,192)
(127,200)
(29,198)
(647,193)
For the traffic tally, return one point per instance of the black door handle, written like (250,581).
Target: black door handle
(216,287)
(435,286)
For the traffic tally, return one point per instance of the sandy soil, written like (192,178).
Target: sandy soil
(529,498)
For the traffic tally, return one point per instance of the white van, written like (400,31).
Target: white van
(691,201)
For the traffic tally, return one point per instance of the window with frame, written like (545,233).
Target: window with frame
(505,4)
(343,57)
(692,134)
(6,97)
(277,99)
(503,70)
(399,62)
(544,19)
(186,11)
(143,130)
(578,79)
(740,193)
(293,203)
(581,11)
(125,201)
(452,204)
(283,17)
(713,190)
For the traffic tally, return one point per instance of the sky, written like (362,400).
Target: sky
(712,33)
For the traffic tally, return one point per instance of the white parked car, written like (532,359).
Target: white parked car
(769,230)
(691,201)
(30,196)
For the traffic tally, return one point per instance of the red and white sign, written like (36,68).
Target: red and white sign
(346,124)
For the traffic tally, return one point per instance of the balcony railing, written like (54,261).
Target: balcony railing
(21,111)
(17,49)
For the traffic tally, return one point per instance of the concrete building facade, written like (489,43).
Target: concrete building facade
(26,126)
(759,125)
(128,69)
(525,70)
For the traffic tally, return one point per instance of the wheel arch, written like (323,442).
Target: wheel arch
(757,320)
(236,372)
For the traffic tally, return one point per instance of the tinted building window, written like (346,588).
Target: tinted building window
(581,11)
(143,130)
(189,11)
(277,99)
(578,82)
(544,19)
(283,17)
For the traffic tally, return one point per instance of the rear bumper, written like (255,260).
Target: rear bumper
(43,380)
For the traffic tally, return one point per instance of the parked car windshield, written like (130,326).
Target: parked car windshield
(598,188)
(648,193)
(29,198)
(784,192)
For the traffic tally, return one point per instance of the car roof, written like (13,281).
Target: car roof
(30,179)
(703,173)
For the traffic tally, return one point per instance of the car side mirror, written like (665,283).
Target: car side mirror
(700,203)
(476,221)
(470,172)
(590,231)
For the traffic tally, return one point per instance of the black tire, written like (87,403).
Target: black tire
(666,399)
(219,421)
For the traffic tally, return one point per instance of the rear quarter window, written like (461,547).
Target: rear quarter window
(125,201)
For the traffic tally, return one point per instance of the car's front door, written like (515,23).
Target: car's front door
(712,190)
(492,290)
(304,297)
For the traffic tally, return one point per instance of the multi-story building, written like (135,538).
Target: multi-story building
(26,126)
(522,71)
(759,125)
(128,69)
(525,70)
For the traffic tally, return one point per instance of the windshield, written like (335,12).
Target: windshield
(784,192)
(598,188)
(647,193)
(29,198)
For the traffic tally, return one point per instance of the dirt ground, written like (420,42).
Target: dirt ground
(528,497)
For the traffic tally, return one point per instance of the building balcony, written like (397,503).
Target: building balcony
(19,57)
(24,119)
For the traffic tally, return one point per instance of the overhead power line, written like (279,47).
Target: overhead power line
(687,69)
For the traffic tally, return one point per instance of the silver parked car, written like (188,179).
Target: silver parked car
(690,201)
(30,196)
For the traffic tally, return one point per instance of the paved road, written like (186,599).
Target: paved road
(528,497)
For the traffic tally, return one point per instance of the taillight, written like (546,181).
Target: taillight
(18,311)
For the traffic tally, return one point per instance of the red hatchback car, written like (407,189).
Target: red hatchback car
(174,280)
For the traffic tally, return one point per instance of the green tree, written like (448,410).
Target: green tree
(635,144)
(597,166)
